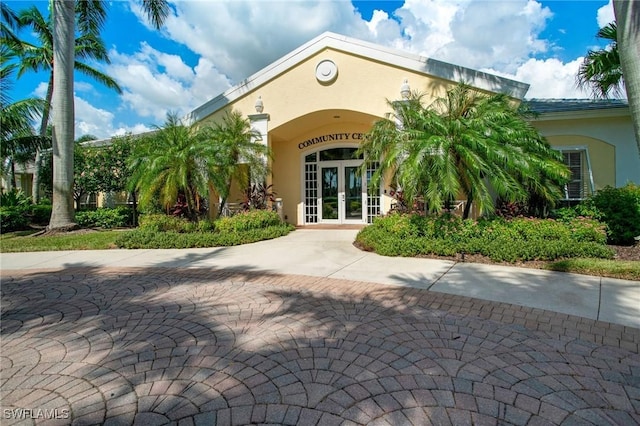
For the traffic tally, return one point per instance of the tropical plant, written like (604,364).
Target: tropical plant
(91,16)
(257,196)
(170,163)
(17,139)
(619,208)
(464,143)
(234,142)
(600,69)
(88,47)
(628,19)
(179,162)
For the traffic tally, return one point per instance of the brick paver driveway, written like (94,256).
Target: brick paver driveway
(158,346)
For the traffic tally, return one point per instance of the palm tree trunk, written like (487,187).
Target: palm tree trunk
(134,201)
(628,20)
(12,176)
(35,191)
(62,214)
(467,207)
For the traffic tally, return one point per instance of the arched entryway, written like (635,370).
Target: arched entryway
(336,187)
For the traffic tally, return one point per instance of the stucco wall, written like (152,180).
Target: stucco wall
(362,85)
(612,149)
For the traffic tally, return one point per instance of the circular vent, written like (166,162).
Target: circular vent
(326,71)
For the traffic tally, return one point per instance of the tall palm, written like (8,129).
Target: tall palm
(88,46)
(464,143)
(628,19)
(17,140)
(600,70)
(8,25)
(91,14)
(234,142)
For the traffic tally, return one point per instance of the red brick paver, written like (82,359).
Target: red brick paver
(202,347)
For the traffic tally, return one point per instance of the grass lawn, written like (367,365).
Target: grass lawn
(24,241)
(624,269)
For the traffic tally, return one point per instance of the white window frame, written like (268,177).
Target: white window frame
(584,151)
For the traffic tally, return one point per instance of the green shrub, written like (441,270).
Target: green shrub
(513,240)
(245,221)
(620,209)
(14,198)
(160,222)
(151,239)
(40,214)
(13,218)
(106,218)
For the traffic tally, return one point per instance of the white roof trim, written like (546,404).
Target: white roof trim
(383,54)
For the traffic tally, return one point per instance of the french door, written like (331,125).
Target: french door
(342,193)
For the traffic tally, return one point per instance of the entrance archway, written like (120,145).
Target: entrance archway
(336,188)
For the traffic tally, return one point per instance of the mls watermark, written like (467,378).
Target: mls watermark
(35,413)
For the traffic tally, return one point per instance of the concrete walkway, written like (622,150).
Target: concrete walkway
(330,253)
(307,330)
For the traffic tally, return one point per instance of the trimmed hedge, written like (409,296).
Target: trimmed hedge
(244,221)
(163,231)
(519,239)
(149,239)
(106,218)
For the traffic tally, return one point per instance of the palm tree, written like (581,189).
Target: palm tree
(168,164)
(17,140)
(600,70)
(8,25)
(178,161)
(234,143)
(88,46)
(628,18)
(464,143)
(91,16)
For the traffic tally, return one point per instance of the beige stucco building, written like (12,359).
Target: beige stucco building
(312,106)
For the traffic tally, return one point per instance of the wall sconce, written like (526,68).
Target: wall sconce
(405,90)
(259,105)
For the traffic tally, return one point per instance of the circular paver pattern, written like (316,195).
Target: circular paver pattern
(164,346)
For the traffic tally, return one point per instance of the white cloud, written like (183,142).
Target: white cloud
(41,89)
(549,78)
(498,34)
(155,83)
(91,120)
(606,15)
(240,38)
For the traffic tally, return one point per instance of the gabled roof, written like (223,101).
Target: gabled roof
(393,57)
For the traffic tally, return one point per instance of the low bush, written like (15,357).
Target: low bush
(15,198)
(163,231)
(620,209)
(152,239)
(164,223)
(519,239)
(40,214)
(13,218)
(245,221)
(106,218)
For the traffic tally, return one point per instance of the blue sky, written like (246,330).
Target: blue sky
(207,46)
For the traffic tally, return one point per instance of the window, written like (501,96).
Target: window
(580,185)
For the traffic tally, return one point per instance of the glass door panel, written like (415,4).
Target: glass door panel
(353,193)
(329,193)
